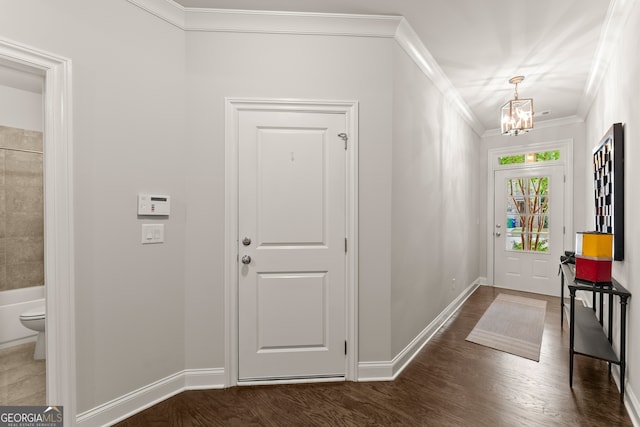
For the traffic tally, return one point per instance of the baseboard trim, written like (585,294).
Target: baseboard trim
(131,403)
(20,341)
(291,381)
(390,370)
(204,379)
(630,399)
(375,371)
(633,405)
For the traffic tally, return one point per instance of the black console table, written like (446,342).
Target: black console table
(586,336)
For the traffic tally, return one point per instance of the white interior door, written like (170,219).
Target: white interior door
(291,224)
(528,228)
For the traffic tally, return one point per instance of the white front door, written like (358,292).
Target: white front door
(291,225)
(528,228)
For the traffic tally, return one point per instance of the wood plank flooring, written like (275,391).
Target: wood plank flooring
(22,379)
(451,382)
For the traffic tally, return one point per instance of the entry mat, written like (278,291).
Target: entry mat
(512,324)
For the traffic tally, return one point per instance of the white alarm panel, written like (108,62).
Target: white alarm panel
(153,204)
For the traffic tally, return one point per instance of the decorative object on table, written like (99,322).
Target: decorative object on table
(608,178)
(593,256)
(512,324)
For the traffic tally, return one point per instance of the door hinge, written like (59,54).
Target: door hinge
(564,178)
(345,245)
(345,138)
(564,230)
(345,347)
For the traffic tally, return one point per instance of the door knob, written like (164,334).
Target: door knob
(498,226)
(246,259)
(246,241)
(498,234)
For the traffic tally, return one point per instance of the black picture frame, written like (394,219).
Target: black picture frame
(608,180)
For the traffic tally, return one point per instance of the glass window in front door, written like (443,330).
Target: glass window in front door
(527,215)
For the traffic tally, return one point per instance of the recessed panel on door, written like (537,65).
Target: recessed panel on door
(286,326)
(291,186)
(540,268)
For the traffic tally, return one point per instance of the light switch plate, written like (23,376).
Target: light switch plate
(152,233)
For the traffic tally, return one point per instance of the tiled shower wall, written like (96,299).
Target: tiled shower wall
(21,210)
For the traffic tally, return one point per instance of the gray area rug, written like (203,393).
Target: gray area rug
(512,324)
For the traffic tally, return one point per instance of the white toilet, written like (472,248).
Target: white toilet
(34,320)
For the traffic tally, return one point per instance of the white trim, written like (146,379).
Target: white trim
(270,22)
(542,124)
(566,160)
(375,371)
(58,206)
(329,24)
(133,402)
(204,379)
(293,381)
(167,10)
(632,404)
(390,370)
(138,400)
(483,281)
(386,26)
(630,399)
(612,30)
(408,40)
(19,341)
(232,108)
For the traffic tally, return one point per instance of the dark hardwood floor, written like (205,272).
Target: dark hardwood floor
(451,382)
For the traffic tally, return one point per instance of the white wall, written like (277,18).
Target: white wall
(129,136)
(283,66)
(617,101)
(149,116)
(436,240)
(19,108)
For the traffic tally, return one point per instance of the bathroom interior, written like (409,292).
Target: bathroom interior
(22,290)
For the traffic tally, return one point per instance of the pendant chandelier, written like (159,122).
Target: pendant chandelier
(517,114)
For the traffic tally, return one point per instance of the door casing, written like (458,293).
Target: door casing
(566,159)
(58,226)
(233,106)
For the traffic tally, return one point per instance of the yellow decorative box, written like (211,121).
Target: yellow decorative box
(593,244)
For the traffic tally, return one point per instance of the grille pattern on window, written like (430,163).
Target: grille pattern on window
(527,214)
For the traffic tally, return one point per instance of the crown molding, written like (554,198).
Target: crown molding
(407,38)
(167,10)
(250,21)
(617,16)
(561,121)
(268,22)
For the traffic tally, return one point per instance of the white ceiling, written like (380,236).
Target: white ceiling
(480,44)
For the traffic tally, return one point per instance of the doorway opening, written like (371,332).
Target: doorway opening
(58,215)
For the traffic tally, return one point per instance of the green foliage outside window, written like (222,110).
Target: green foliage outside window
(511,160)
(542,156)
(546,156)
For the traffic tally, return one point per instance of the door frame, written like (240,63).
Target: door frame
(58,218)
(566,160)
(233,106)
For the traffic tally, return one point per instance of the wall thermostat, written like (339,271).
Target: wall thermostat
(153,204)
